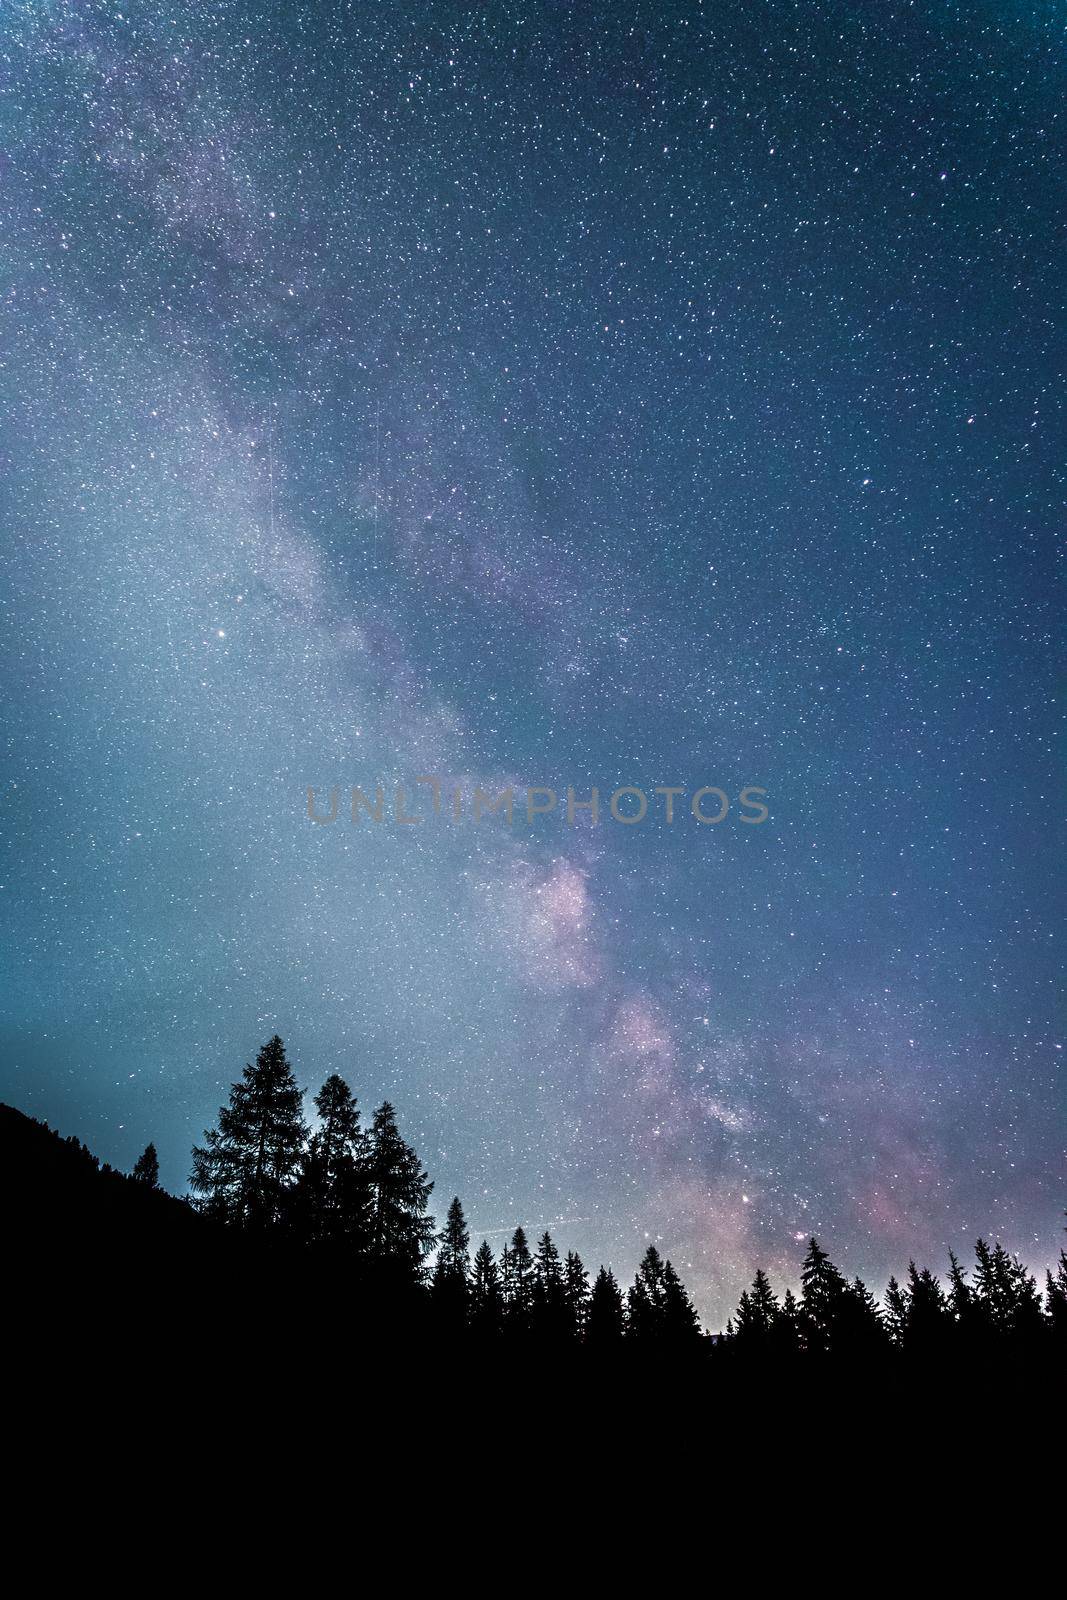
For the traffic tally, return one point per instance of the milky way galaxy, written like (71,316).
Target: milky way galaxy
(558,395)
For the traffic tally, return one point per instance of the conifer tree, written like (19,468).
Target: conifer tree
(486,1298)
(644,1302)
(244,1169)
(146,1168)
(575,1294)
(680,1320)
(757,1312)
(859,1330)
(896,1312)
(451,1273)
(401,1233)
(519,1268)
(962,1304)
(605,1321)
(1056,1299)
(928,1320)
(658,1306)
(786,1331)
(823,1293)
(332,1198)
(548,1315)
(988,1290)
(1006,1293)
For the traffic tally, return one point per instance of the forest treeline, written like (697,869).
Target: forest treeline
(362,1195)
(338,1213)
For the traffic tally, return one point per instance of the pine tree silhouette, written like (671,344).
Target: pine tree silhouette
(823,1293)
(859,1330)
(1056,1299)
(658,1306)
(517,1274)
(331,1200)
(968,1320)
(451,1273)
(486,1317)
(605,1322)
(1006,1295)
(787,1336)
(644,1301)
(401,1234)
(757,1312)
(575,1295)
(896,1312)
(245,1167)
(547,1306)
(146,1168)
(928,1321)
(680,1320)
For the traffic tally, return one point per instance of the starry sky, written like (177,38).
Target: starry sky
(566,394)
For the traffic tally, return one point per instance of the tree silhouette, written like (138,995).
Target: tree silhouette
(517,1281)
(146,1168)
(757,1313)
(547,1304)
(1056,1299)
(680,1320)
(896,1312)
(859,1329)
(575,1295)
(658,1306)
(331,1200)
(451,1273)
(787,1333)
(644,1301)
(823,1294)
(401,1234)
(605,1322)
(1006,1294)
(486,1316)
(967,1316)
(247,1164)
(928,1322)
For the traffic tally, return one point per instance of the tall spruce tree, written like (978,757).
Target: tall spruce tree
(401,1233)
(858,1329)
(928,1322)
(486,1313)
(756,1314)
(823,1295)
(518,1277)
(658,1305)
(787,1336)
(1056,1300)
(146,1168)
(967,1317)
(575,1294)
(605,1322)
(644,1301)
(451,1273)
(1006,1294)
(332,1199)
(246,1166)
(896,1312)
(680,1320)
(547,1306)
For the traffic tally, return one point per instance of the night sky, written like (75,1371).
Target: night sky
(554,394)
